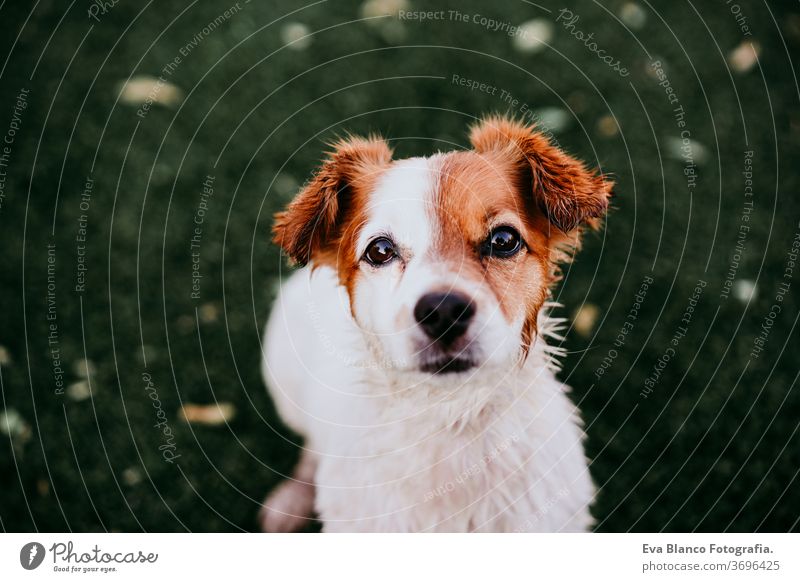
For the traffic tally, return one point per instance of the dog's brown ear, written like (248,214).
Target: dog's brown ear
(565,190)
(312,219)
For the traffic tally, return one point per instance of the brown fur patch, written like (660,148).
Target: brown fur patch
(564,188)
(313,224)
(479,192)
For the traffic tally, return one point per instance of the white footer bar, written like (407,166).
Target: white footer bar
(389,557)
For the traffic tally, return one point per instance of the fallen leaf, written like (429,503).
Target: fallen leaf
(744,57)
(376,8)
(13,425)
(690,150)
(533,36)
(607,126)
(208,313)
(83,368)
(79,390)
(131,476)
(146,89)
(210,414)
(585,318)
(552,118)
(633,15)
(744,290)
(296,36)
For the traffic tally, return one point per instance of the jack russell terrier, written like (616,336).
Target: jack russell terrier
(410,352)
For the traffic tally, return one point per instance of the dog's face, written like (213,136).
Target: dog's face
(447,260)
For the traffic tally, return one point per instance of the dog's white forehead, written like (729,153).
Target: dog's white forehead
(400,206)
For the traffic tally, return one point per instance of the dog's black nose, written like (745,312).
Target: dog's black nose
(444,316)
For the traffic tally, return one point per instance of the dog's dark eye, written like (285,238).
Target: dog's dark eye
(503,242)
(379,252)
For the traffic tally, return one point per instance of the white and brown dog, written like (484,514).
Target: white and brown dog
(410,353)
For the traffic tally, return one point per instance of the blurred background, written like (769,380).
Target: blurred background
(146,146)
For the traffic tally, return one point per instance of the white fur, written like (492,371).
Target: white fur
(496,448)
(399,207)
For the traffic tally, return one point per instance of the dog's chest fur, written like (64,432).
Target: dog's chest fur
(505,472)
(488,453)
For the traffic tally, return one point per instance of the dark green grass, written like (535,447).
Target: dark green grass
(714,447)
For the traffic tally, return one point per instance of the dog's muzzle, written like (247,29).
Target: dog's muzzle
(445,319)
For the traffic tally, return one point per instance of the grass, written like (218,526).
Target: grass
(713,447)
